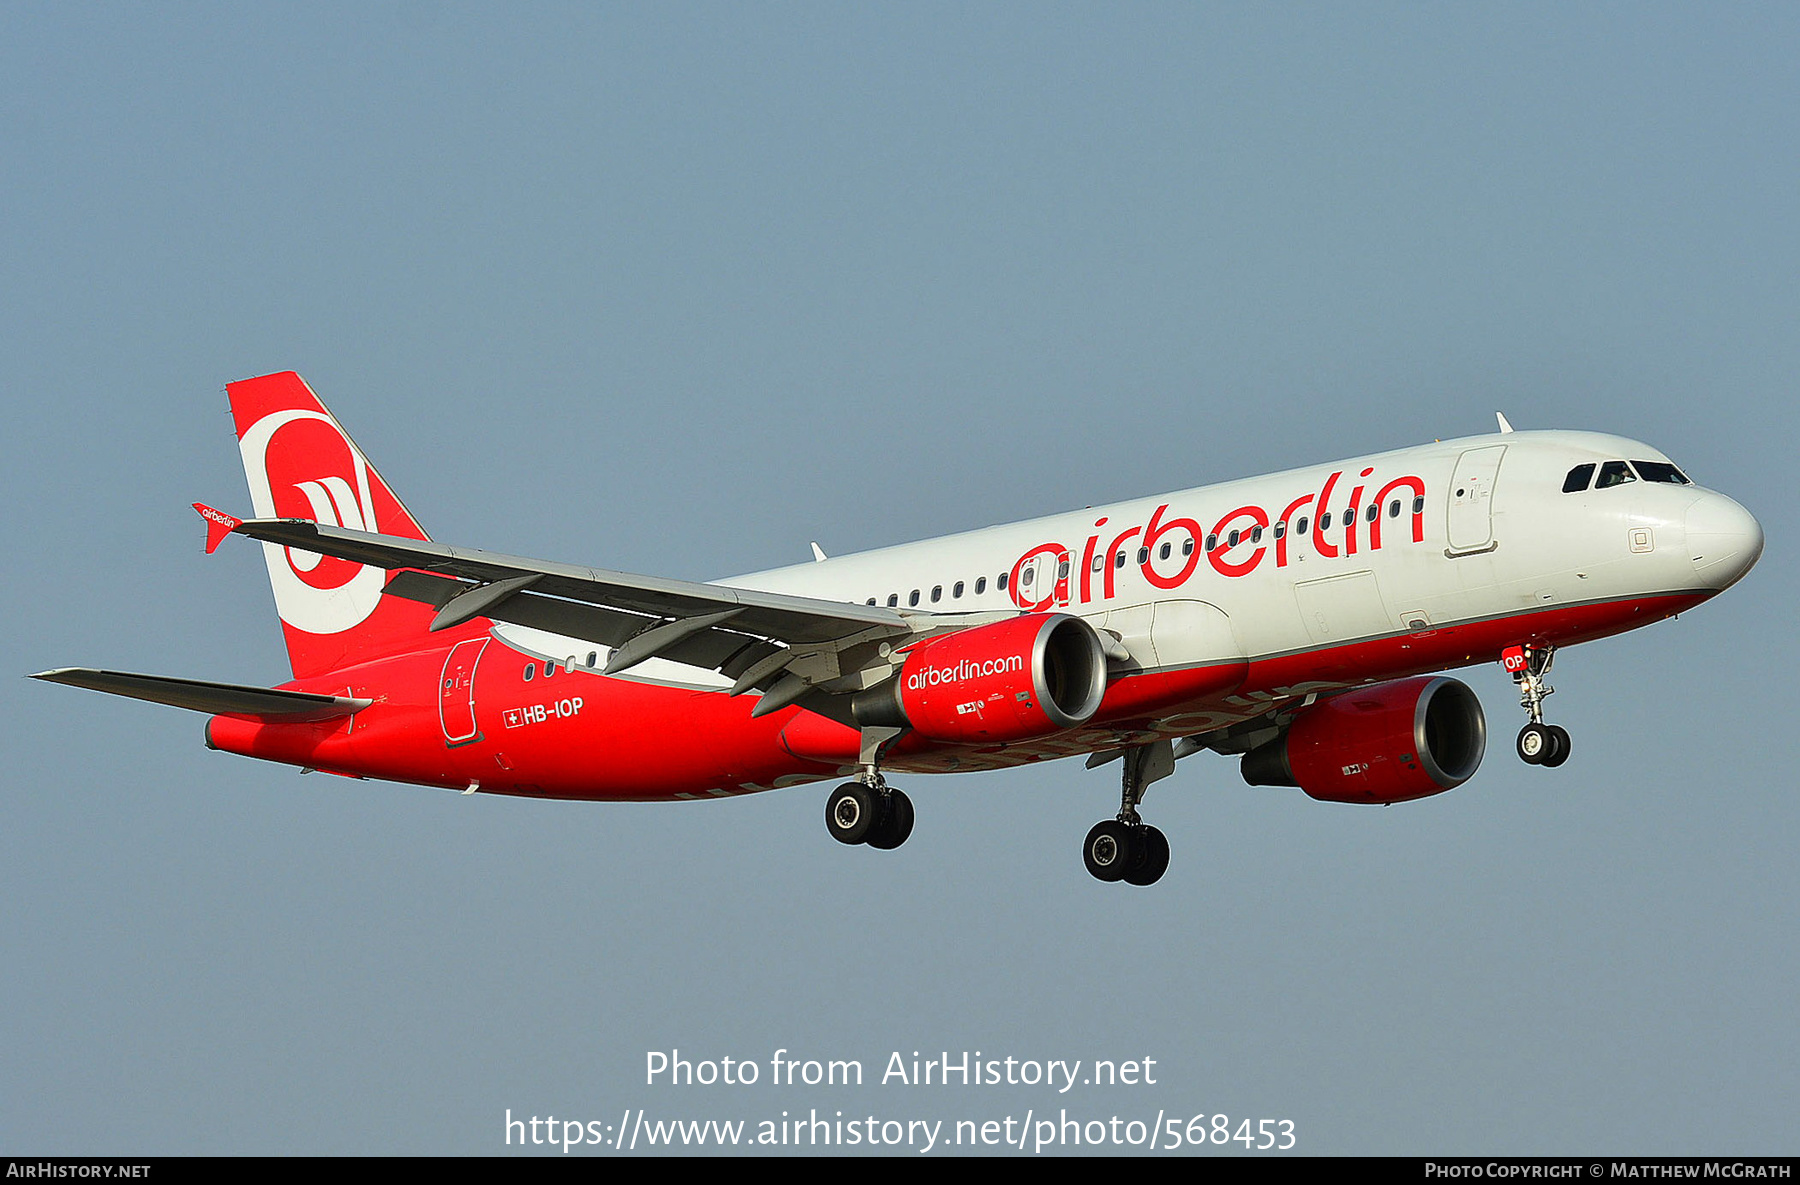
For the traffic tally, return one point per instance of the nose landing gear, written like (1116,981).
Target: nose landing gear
(1125,848)
(1539,743)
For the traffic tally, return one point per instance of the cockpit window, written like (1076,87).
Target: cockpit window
(1578,479)
(1614,473)
(1661,471)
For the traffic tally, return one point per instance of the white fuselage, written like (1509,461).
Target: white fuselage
(1523,544)
(1317,559)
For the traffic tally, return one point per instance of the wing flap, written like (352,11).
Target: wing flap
(219,699)
(713,648)
(572,619)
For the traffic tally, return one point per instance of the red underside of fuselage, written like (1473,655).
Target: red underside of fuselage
(582,736)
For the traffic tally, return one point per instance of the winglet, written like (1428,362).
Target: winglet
(1504,426)
(218,525)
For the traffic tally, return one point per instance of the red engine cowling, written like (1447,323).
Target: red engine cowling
(1388,743)
(1025,677)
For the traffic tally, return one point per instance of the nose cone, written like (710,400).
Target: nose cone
(1723,540)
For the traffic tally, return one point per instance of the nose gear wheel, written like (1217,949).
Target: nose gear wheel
(1538,743)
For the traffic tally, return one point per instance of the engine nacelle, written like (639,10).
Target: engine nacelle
(1388,743)
(1025,677)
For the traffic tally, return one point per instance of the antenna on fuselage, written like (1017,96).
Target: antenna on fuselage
(1504,426)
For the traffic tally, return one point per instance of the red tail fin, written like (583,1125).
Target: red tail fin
(301,464)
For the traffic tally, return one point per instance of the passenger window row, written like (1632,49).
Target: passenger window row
(593,661)
(1253,536)
(937,591)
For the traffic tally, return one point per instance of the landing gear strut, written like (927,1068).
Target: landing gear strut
(869,811)
(1539,743)
(1125,848)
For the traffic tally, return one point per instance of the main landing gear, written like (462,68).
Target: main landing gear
(1539,743)
(869,811)
(1125,848)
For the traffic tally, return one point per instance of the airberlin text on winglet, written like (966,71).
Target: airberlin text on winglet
(218,525)
(959,1069)
(1242,527)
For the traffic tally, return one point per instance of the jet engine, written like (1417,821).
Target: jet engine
(1388,743)
(1024,677)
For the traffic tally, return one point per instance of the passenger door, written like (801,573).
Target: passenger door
(1471,499)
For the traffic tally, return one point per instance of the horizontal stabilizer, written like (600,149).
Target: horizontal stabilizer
(228,699)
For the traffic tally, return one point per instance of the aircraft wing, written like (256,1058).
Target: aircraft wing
(228,699)
(785,644)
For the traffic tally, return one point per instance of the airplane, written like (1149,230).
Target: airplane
(1298,621)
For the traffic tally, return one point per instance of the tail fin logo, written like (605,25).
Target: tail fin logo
(300,464)
(334,504)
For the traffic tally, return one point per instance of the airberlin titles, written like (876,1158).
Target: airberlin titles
(1235,546)
(963,668)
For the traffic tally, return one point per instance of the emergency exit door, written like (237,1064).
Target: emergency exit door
(1472,498)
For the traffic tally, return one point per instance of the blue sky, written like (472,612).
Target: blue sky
(678,289)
